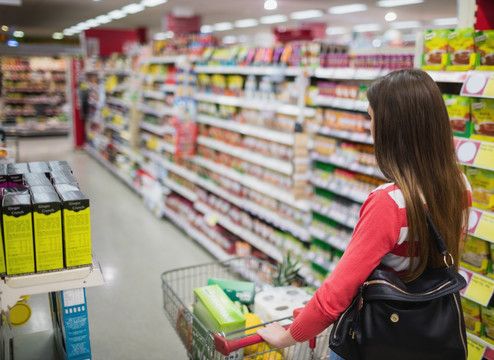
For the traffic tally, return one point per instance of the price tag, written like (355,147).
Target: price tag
(476,84)
(485,228)
(485,156)
(467,151)
(475,350)
(480,289)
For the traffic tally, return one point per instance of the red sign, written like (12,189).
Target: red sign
(182,25)
(77,123)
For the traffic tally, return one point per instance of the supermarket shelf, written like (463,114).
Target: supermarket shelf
(152,94)
(337,243)
(156,112)
(202,239)
(269,249)
(348,191)
(182,190)
(129,152)
(335,215)
(478,340)
(124,72)
(115,127)
(118,102)
(481,224)
(475,153)
(355,166)
(168,88)
(341,103)
(160,144)
(281,166)
(112,169)
(246,129)
(349,73)
(254,183)
(157,129)
(12,288)
(479,287)
(252,70)
(161,60)
(359,137)
(281,108)
(177,169)
(448,76)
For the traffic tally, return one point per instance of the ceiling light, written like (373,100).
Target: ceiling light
(406,24)
(75,30)
(11,2)
(367,27)
(81,26)
(151,3)
(116,14)
(18,34)
(306,14)
(243,23)
(229,40)
(445,21)
(336,30)
(206,29)
(391,16)
(5,28)
(69,32)
(223,26)
(346,9)
(12,43)
(273,19)
(392,3)
(92,23)
(57,36)
(103,19)
(376,43)
(270,4)
(133,8)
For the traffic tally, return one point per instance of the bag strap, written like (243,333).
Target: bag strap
(440,245)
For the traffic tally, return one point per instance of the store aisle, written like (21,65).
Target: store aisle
(126,315)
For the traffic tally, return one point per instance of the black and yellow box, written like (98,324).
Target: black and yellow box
(18,234)
(36,179)
(47,222)
(76,228)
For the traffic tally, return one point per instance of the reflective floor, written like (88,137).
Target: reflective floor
(126,314)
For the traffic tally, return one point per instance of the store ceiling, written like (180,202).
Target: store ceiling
(43,17)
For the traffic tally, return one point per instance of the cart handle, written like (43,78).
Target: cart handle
(225,347)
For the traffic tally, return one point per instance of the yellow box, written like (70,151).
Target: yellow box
(76,228)
(47,221)
(18,234)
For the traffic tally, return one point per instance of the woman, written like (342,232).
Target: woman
(414,149)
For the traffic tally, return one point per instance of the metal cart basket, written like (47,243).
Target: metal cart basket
(178,295)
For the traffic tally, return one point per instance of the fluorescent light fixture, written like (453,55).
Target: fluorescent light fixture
(336,30)
(445,21)
(69,32)
(376,43)
(160,36)
(133,8)
(18,34)
(5,28)
(243,39)
(103,19)
(11,2)
(270,4)
(347,9)
(206,29)
(229,40)
(12,43)
(57,36)
(92,23)
(273,19)
(393,3)
(81,26)
(243,23)
(390,16)
(223,26)
(151,3)
(75,30)
(306,14)
(116,14)
(406,24)
(367,27)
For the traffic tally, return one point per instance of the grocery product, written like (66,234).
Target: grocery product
(482,182)
(435,49)
(484,46)
(461,49)
(482,118)
(471,314)
(242,291)
(458,108)
(475,254)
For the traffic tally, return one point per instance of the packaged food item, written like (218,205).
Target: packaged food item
(482,182)
(471,313)
(435,49)
(458,108)
(483,119)
(487,316)
(484,46)
(461,49)
(475,254)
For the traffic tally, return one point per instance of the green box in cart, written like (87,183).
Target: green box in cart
(18,234)
(216,312)
(76,228)
(47,222)
(242,291)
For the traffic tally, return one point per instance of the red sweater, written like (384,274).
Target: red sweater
(379,238)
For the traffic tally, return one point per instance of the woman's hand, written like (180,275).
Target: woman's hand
(276,335)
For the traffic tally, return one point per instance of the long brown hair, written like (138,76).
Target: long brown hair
(414,148)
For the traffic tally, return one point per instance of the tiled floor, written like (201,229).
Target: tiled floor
(126,315)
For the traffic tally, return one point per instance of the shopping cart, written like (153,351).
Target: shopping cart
(178,295)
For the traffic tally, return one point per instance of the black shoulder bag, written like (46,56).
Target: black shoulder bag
(420,320)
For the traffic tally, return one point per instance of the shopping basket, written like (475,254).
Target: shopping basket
(178,295)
